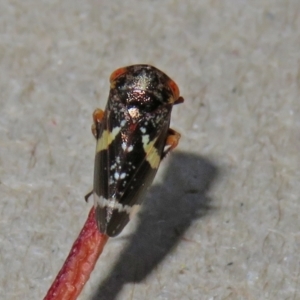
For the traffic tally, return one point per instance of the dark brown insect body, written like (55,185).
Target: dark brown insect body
(133,135)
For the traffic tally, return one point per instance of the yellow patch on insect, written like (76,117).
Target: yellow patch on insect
(107,138)
(152,156)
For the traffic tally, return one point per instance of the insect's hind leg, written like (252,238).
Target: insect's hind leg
(171,142)
(87,196)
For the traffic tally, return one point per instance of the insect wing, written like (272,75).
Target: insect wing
(127,159)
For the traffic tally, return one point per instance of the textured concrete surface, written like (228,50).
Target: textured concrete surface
(222,219)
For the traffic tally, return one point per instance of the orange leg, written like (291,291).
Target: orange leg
(172,141)
(97,117)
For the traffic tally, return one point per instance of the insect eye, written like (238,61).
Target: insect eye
(116,74)
(174,88)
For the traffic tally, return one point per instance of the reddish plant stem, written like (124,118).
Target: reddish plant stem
(80,262)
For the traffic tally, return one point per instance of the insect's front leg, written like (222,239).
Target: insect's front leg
(172,141)
(97,118)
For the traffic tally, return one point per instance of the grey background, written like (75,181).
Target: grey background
(222,219)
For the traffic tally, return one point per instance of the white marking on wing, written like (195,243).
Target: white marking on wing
(114,204)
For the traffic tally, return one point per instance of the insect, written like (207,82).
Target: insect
(133,136)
